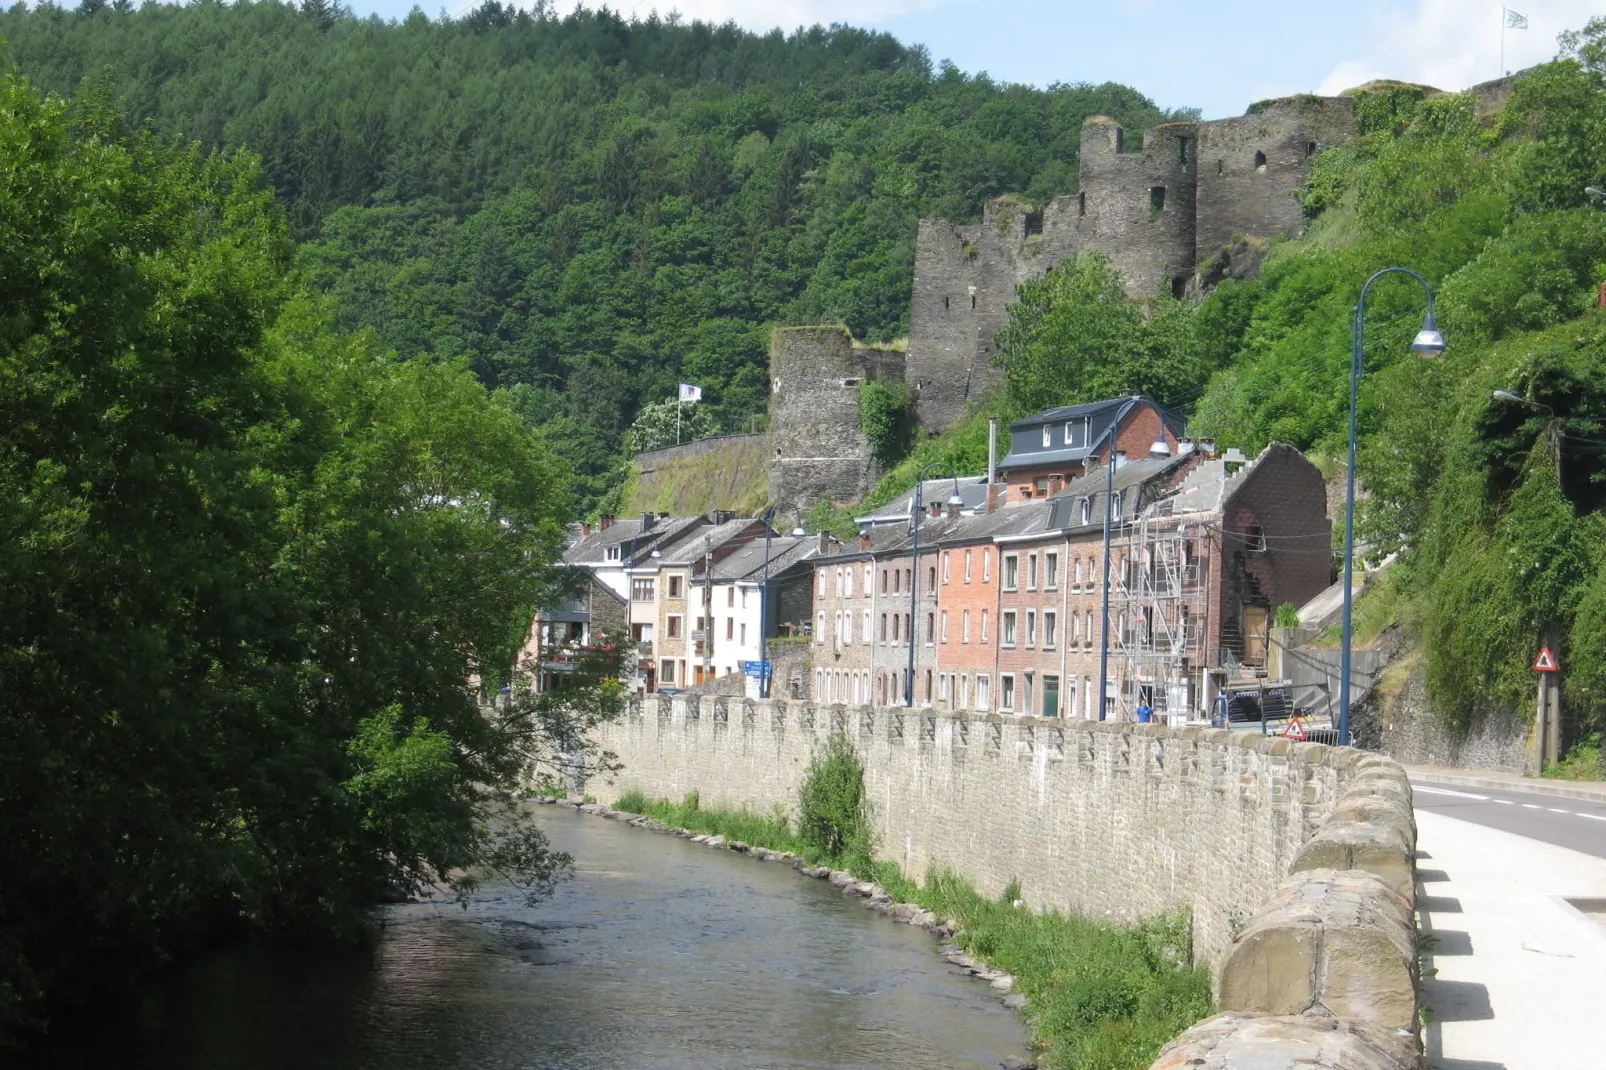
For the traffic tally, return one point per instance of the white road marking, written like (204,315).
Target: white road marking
(1505,802)
(1557,810)
(1594,817)
(1446,791)
(1531,806)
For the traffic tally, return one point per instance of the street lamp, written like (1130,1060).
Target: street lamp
(764,600)
(1552,428)
(916,516)
(1429,343)
(1161,448)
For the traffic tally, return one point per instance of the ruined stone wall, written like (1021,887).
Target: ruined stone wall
(1116,821)
(1139,206)
(818,449)
(1251,166)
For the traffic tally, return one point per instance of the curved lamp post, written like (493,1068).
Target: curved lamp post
(764,599)
(915,518)
(1428,342)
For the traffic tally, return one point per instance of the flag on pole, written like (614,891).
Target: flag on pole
(1515,20)
(690,393)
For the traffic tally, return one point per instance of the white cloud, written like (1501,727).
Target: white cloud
(1452,44)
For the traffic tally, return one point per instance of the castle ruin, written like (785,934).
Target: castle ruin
(1163,214)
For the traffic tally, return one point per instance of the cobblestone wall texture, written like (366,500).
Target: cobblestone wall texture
(1116,821)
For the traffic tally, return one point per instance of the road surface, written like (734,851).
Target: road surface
(1576,824)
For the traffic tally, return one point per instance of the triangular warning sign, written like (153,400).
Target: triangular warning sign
(1295,730)
(1546,661)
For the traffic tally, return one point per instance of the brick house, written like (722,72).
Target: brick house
(844,609)
(1049,449)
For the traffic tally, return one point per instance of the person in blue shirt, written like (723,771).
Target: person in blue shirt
(1145,713)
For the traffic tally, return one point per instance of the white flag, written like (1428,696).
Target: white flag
(690,393)
(1515,20)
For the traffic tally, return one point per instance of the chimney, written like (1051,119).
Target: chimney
(604,522)
(992,496)
(992,450)
(1184,447)
(864,538)
(1207,446)
(954,510)
(646,521)
(585,529)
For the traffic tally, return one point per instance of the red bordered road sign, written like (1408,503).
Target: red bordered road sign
(1295,730)
(1546,661)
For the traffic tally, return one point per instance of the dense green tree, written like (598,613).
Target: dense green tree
(249,565)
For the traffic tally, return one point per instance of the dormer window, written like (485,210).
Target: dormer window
(613,553)
(1048,436)
(1087,510)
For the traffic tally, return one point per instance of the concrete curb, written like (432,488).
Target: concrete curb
(1565,789)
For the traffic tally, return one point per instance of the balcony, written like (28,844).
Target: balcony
(644,648)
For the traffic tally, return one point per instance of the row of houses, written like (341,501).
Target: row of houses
(1002,610)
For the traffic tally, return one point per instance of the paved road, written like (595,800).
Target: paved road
(1571,823)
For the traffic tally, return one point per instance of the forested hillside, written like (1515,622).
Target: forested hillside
(586,209)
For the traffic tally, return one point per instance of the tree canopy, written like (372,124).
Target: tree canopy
(249,566)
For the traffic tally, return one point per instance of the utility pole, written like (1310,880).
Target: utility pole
(708,604)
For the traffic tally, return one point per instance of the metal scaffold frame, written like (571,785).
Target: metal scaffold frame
(1160,607)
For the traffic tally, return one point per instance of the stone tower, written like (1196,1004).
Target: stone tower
(819,450)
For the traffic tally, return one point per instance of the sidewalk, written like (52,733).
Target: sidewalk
(1568,789)
(1520,971)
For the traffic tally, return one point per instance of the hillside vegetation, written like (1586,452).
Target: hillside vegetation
(1500,554)
(587,209)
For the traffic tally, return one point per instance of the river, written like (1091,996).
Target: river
(658,954)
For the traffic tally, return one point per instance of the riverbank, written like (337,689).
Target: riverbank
(1094,994)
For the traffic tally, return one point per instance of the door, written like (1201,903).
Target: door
(1051,696)
(1255,634)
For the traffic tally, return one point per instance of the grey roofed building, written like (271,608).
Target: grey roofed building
(1075,432)
(630,539)
(713,538)
(746,563)
(1082,503)
(972,491)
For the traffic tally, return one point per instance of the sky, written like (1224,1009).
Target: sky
(1219,56)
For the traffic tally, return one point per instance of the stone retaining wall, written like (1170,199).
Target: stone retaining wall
(1293,859)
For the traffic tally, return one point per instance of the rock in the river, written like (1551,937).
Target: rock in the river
(739,847)
(714,841)
(1004,983)
(699,839)
(1015,1001)
(1018,1064)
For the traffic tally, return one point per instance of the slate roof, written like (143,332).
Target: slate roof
(690,551)
(1103,418)
(747,561)
(972,491)
(627,534)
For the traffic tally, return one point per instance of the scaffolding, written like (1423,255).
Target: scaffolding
(1158,607)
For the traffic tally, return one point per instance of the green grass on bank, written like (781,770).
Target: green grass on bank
(1100,996)
(1582,762)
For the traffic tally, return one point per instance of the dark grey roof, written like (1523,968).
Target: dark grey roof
(627,534)
(1067,504)
(1023,519)
(690,551)
(747,561)
(972,491)
(1103,418)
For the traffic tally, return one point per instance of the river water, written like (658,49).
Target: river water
(658,954)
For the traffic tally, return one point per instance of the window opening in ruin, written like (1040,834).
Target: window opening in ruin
(850,382)
(1120,140)
(1034,222)
(1156,203)
(1310,148)
(1221,166)
(1179,286)
(945,302)
(1182,152)
(1260,162)
(1081,204)
(973,302)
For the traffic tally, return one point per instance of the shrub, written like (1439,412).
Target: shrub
(633,801)
(884,418)
(832,814)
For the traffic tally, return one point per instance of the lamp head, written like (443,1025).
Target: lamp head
(955,500)
(1593,192)
(1506,395)
(799,532)
(1429,342)
(1160,448)
(656,552)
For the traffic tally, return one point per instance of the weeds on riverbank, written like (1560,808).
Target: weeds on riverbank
(1099,996)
